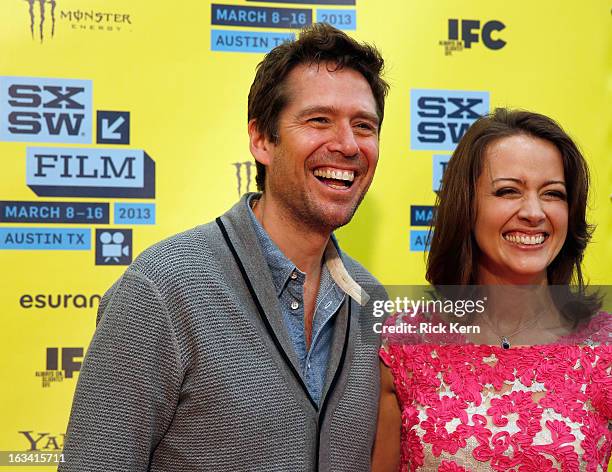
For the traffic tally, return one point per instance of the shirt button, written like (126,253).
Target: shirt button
(293,275)
(294,305)
(308,365)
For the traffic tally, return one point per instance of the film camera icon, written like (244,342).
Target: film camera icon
(114,247)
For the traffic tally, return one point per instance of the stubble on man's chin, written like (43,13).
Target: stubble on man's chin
(306,210)
(322,223)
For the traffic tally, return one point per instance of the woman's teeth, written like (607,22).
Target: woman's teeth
(525,239)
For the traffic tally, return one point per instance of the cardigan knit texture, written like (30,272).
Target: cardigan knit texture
(185,374)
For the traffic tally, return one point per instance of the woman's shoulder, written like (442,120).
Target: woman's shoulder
(593,331)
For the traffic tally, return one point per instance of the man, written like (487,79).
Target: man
(242,345)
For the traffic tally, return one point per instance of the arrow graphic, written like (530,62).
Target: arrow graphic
(109,130)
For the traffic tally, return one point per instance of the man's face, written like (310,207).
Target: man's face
(326,155)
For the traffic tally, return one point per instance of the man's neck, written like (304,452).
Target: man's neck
(302,245)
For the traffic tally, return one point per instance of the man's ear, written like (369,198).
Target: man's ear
(261,147)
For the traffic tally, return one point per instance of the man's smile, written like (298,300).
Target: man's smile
(335,177)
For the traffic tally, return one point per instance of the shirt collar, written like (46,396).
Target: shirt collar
(281,267)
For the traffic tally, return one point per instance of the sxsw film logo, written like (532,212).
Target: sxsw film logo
(463,33)
(113,127)
(90,172)
(245,172)
(70,363)
(113,246)
(439,118)
(45,110)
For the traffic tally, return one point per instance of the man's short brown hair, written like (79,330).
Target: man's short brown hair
(316,44)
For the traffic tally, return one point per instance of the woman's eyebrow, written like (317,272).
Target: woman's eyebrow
(520,181)
(513,179)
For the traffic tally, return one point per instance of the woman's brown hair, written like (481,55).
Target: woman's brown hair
(453,255)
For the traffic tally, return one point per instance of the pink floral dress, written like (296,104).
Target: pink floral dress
(469,407)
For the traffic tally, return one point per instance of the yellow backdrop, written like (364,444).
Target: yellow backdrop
(122,123)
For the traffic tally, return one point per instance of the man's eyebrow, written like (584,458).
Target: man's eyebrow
(520,181)
(316,109)
(369,116)
(333,110)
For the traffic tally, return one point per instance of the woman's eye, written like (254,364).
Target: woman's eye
(556,194)
(506,191)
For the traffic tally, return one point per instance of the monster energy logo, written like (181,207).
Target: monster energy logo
(247,165)
(42,16)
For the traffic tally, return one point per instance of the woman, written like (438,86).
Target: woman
(533,390)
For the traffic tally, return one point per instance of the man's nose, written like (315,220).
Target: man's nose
(531,210)
(344,140)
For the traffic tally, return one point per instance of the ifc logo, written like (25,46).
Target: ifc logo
(469,32)
(113,247)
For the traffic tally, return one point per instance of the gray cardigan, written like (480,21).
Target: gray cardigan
(185,374)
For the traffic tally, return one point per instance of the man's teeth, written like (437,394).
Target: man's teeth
(337,174)
(524,239)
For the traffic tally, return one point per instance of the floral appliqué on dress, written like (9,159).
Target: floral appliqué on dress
(526,409)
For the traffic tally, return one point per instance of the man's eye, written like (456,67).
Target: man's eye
(319,119)
(365,126)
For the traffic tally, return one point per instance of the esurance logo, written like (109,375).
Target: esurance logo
(45,110)
(439,118)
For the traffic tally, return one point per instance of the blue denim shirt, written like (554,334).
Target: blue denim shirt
(289,283)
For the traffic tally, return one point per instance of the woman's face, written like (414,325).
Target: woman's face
(521,210)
